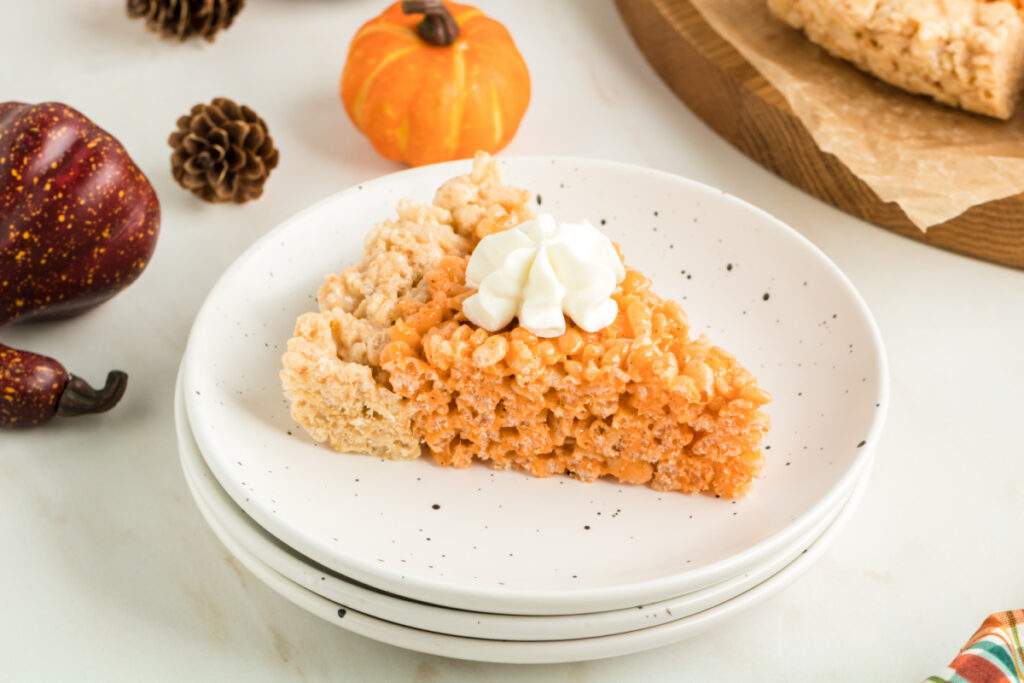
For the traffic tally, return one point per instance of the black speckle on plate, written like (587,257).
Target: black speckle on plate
(861,444)
(766,296)
(342,612)
(540,200)
(435,506)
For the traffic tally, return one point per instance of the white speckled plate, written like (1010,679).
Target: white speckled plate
(505,542)
(251,537)
(524,652)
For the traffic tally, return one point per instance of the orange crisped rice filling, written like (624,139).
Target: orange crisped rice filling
(638,400)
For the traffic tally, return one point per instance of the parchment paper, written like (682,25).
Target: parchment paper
(935,162)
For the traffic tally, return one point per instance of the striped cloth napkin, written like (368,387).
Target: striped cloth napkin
(994,654)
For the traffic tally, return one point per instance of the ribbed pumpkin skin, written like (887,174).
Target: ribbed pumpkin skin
(421,104)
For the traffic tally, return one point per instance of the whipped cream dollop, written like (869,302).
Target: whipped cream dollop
(541,271)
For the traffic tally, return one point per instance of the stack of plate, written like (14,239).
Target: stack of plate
(499,566)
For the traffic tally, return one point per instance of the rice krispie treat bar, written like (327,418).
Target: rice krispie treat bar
(966,53)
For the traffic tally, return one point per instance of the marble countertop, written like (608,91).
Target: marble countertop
(108,572)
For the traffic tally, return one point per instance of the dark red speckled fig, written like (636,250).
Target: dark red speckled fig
(34,389)
(78,223)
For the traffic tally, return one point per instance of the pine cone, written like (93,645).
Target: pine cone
(183,19)
(222,152)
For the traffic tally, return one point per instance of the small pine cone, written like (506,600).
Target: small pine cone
(183,19)
(222,152)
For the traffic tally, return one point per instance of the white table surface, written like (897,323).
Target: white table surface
(107,571)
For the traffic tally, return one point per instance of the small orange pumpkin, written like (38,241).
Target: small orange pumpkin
(437,88)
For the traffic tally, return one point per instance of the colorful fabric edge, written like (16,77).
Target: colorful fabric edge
(994,654)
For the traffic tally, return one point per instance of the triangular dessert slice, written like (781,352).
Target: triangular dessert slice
(391,366)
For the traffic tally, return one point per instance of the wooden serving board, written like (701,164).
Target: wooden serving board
(732,97)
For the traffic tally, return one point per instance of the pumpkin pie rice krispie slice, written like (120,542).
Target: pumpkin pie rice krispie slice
(391,366)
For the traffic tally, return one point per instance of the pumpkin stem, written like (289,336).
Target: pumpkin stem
(80,398)
(438,26)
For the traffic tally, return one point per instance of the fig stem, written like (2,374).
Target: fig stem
(80,398)
(438,26)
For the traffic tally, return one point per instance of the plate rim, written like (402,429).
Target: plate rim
(564,601)
(531,652)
